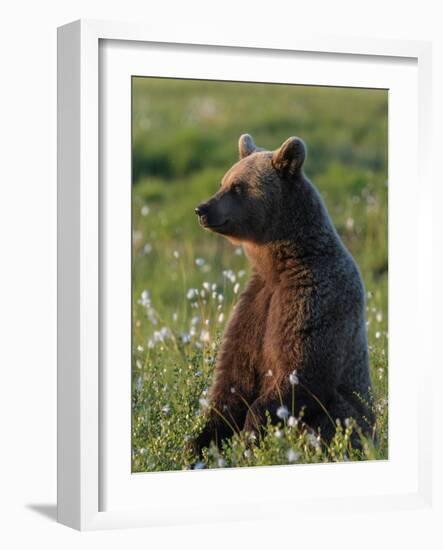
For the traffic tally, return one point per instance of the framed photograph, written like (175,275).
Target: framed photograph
(238,230)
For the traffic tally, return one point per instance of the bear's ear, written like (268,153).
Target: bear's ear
(289,158)
(246,146)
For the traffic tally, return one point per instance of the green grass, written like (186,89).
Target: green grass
(186,280)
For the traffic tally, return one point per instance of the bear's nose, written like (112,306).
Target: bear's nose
(201,210)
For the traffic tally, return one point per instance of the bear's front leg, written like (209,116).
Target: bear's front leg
(229,400)
(256,417)
(278,403)
(234,388)
(218,428)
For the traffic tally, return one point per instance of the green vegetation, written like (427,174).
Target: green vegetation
(186,280)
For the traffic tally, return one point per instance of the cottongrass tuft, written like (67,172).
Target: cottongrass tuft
(205,336)
(204,403)
(190,294)
(313,441)
(292,421)
(282,412)
(292,455)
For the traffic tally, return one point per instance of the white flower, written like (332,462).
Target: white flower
(166,409)
(151,315)
(158,336)
(147,249)
(229,274)
(145,299)
(292,455)
(313,441)
(241,273)
(378,334)
(236,288)
(238,251)
(206,286)
(247,453)
(282,412)
(186,337)
(292,421)
(175,316)
(213,287)
(199,262)
(176,254)
(140,348)
(151,343)
(204,403)
(293,378)
(190,294)
(278,434)
(205,336)
(379,317)
(221,318)
(145,210)
(232,389)
(220,298)
(350,223)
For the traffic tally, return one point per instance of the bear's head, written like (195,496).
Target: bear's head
(255,192)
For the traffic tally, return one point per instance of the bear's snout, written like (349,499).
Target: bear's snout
(212,214)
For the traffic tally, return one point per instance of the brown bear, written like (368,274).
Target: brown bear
(300,323)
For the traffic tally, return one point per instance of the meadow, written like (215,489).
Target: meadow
(185,281)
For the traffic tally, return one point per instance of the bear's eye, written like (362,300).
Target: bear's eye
(237,188)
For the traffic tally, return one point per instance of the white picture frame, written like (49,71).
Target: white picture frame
(83,398)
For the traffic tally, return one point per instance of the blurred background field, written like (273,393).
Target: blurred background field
(186,280)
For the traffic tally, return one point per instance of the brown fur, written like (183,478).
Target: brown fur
(302,310)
